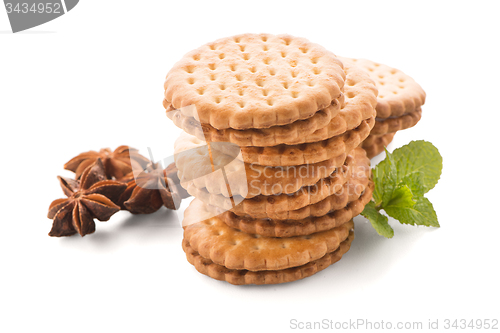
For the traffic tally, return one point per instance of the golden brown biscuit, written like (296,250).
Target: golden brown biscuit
(256,136)
(375,144)
(243,277)
(255,81)
(234,249)
(359,105)
(351,191)
(290,228)
(398,93)
(307,153)
(394,124)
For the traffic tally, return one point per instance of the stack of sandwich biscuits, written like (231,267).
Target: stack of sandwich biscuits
(271,152)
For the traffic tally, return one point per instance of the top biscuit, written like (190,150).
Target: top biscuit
(254,81)
(398,93)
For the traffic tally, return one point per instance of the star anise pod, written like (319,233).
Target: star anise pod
(148,191)
(117,164)
(171,173)
(91,197)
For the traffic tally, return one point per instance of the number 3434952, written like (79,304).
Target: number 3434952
(485,324)
(38,8)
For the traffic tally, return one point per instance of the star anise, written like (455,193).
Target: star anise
(91,197)
(149,191)
(117,164)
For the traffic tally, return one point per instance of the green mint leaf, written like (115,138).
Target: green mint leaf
(401,180)
(422,213)
(402,197)
(379,222)
(385,179)
(419,156)
(415,182)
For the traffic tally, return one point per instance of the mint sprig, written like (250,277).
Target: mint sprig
(401,180)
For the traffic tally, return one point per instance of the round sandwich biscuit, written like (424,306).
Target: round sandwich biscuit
(375,144)
(394,124)
(359,105)
(256,136)
(398,93)
(306,226)
(223,245)
(245,277)
(308,153)
(254,81)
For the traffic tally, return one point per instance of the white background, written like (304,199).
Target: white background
(93,78)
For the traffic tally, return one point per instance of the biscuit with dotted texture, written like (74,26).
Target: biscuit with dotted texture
(398,93)
(255,81)
(357,105)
